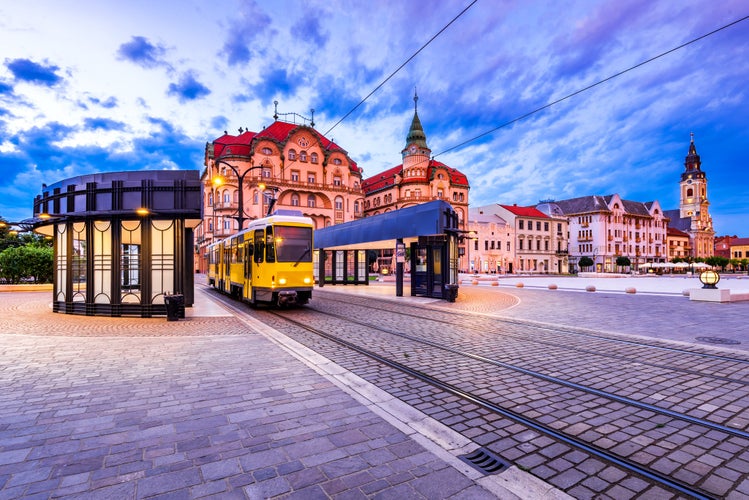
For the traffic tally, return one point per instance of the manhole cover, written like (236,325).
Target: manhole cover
(484,461)
(718,340)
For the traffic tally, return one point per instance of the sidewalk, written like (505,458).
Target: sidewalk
(124,408)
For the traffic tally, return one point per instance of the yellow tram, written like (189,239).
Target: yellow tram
(269,262)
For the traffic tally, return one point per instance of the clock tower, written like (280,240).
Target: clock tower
(693,204)
(416,153)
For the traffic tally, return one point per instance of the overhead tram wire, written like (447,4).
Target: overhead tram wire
(548,105)
(400,67)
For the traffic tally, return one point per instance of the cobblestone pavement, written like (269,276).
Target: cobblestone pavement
(144,408)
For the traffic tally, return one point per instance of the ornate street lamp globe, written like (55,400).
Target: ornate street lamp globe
(709,279)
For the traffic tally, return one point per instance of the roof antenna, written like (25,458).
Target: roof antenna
(275,115)
(416,99)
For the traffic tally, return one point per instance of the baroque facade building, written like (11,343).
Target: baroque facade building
(693,216)
(284,166)
(606,227)
(419,179)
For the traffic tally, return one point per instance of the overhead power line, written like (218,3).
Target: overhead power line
(615,75)
(400,67)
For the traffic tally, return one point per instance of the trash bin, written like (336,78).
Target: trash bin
(175,306)
(451,291)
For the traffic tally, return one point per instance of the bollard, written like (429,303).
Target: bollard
(630,289)
(552,286)
(519,285)
(590,288)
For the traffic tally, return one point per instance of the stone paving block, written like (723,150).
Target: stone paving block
(168,482)
(217,470)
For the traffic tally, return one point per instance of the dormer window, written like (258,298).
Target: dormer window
(337,161)
(267,151)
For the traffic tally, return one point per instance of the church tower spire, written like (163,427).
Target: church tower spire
(416,133)
(416,154)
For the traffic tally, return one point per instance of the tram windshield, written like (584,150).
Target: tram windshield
(293,244)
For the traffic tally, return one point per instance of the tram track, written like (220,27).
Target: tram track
(486,404)
(737,365)
(579,332)
(333,329)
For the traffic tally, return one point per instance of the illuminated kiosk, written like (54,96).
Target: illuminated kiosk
(122,240)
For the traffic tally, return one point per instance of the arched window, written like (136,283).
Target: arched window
(356,207)
(690,193)
(313,157)
(294,200)
(311,201)
(292,154)
(338,203)
(303,156)
(267,151)
(337,161)
(210,199)
(254,197)
(227,197)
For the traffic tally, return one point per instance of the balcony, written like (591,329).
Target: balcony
(561,253)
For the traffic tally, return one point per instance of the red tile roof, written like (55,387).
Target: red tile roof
(525,211)
(386,179)
(279,132)
(672,231)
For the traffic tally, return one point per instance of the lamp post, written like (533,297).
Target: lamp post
(240,185)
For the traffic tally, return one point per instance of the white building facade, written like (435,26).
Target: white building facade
(607,227)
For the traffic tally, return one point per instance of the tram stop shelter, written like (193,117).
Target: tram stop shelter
(123,241)
(430,231)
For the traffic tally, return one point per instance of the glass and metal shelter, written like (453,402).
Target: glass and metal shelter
(123,241)
(429,230)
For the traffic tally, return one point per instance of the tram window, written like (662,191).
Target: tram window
(270,245)
(259,245)
(293,244)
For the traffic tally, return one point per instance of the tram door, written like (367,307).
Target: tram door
(429,267)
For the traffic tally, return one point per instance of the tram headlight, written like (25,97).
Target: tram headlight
(307,280)
(281,281)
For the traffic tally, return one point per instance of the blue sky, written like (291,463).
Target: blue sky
(91,86)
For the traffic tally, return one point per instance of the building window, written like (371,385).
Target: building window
(538,225)
(303,156)
(294,200)
(356,207)
(546,226)
(339,203)
(313,157)
(295,175)
(337,180)
(267,151)
(520,244)
(292,154)
(508,246)
(311,178)
(439,193)
(266,173)
(336,161)
(311,201)
(521,225)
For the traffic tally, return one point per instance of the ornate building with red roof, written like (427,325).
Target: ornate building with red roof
(284,166)
(418,179)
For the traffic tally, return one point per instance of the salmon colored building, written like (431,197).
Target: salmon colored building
(284,166)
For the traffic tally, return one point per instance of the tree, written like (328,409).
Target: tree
(623,261)
(717,261)
(585,262)
(28,261)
